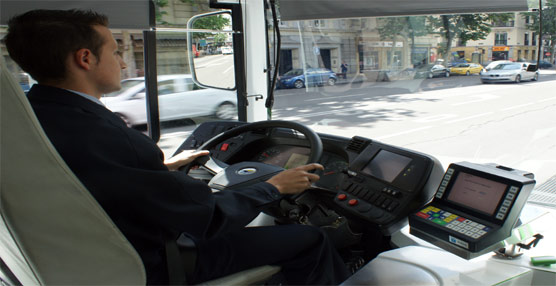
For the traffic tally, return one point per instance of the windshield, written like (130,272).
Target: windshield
(390,80)
(507,67)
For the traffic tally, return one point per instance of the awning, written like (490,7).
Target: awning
(122,14)
(330,9)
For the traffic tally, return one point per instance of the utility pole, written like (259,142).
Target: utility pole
(539,52)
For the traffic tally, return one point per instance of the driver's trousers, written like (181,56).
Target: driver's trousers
(305,254)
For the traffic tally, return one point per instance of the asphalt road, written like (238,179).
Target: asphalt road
(453,119)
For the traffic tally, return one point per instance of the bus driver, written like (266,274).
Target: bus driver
(75,60)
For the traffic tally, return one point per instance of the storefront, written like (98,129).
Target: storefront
(500,53)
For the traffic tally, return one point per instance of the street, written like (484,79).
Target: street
(215,70)
(453,119)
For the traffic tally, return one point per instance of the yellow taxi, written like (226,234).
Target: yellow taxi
(466,69)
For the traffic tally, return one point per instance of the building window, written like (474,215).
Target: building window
(526,41)
(534,39)
(501,39)
(527,20)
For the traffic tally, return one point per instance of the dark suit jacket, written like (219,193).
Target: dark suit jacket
(124,171)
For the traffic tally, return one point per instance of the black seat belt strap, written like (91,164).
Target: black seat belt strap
(176,270)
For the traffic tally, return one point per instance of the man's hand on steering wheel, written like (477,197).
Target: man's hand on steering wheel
(184,158)
(296,180)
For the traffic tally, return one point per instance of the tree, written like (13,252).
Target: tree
(464,27)
(215,23)
(158,13)
(392,28)
(548,24)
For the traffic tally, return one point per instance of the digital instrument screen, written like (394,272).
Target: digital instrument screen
(284,156)
(477,193)
(386,165)
(296,160)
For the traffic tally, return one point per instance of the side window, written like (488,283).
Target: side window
(166,87)
(189,85)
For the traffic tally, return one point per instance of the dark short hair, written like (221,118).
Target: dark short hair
(40,41)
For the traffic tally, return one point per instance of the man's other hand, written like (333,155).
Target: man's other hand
(295,180)
(183,158)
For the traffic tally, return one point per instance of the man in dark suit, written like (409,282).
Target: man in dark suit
(75,59)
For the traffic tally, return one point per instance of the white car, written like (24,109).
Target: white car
(227,50)
(178,98)
(509,72)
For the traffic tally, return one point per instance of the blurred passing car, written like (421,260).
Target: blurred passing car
(227,50)
(466,69)
(545,64)
(432,70)
(178,98)
(313,76)
(510,72)
(491,65)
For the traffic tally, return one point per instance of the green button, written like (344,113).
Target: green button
(439,221)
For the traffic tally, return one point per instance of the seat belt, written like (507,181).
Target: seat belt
(181,257)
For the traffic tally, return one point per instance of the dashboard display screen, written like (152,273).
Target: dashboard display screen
(475,192)
(386,165)
(284,156)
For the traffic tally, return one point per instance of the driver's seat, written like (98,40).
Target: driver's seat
(52,231)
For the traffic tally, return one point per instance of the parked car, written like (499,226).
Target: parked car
(510,72)
(545,64)
(432,70)
(178,98)
(312,76)
(227,50)
(466,69)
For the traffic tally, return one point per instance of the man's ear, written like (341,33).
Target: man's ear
(84,58)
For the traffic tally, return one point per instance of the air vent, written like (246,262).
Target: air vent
(357,144)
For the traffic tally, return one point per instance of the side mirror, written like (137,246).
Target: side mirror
(210,40)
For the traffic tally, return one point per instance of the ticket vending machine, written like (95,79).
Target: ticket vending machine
(474,209)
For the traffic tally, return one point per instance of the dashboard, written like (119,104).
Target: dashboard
(291,156)
(364,180)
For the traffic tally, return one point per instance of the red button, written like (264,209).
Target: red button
(342,197)
(423,215)
(353,202)
(224,147)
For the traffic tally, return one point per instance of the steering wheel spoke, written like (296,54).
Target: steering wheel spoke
(212,165)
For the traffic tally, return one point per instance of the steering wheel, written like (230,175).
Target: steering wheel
(246,173)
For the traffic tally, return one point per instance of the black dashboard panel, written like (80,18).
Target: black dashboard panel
(373,181)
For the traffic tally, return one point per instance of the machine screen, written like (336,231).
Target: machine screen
(386,165)
(477,193)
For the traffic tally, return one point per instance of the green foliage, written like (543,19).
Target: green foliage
(392,27)
(215,23)
(220,38)
(158,13)
(548,24)
(549,19)
(464,27)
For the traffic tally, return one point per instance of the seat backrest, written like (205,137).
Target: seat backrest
(52,230)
